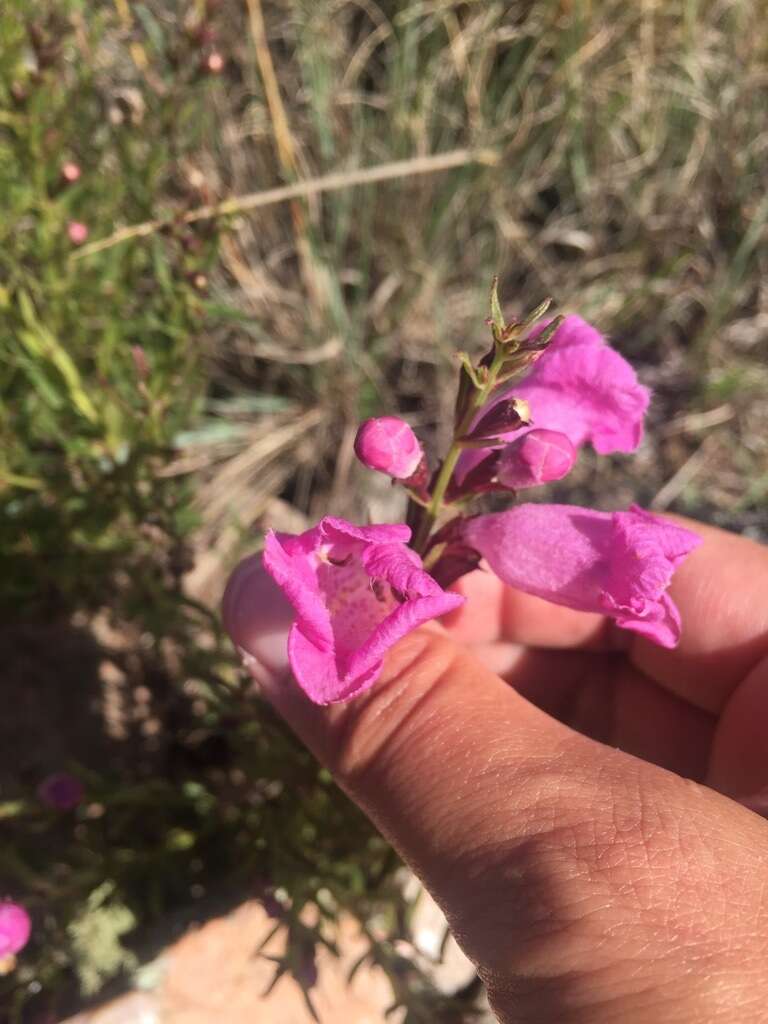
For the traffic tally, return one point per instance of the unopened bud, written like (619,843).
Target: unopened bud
(503,417)
(140,362)
(539,457)
(214,63)
(388,444)
(77,232)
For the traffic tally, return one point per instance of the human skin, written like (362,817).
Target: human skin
(572,795)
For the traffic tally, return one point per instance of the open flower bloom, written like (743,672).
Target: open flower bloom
(15,928)
(582,388)
(356,591)
(618,564)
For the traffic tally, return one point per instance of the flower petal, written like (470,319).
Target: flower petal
(356,591)
(581,387)
(585,389)
(289,560)
(618,564)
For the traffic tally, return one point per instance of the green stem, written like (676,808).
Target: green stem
(435,506)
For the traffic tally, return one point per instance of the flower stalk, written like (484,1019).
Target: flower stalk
(498,366)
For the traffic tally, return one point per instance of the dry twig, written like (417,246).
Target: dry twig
(269,197)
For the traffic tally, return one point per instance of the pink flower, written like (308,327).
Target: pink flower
(70,171)
(356,591)
(77,232)
(618,564)
(390,446)
(61,791)
(214,63)
(15,927)
(582,388)
(537,457)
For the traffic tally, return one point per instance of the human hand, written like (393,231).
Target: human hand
(587,883)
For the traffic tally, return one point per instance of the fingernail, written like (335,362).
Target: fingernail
(258,618)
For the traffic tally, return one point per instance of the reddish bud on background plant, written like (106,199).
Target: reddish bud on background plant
(61,791)
(77,232)
(388,444)
(214,63)
(140,362)
(538,457)
(70,172)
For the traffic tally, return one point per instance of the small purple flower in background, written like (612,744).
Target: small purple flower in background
(356,591)
(536,458)
(390,446)
(77,232)
(70,172)
(15,928)
(61,791)
(615,563)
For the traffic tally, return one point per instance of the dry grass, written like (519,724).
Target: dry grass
(629,182)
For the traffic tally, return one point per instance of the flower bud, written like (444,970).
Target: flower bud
(77,232)
(390,446)
(140,362)
(15,927)
(70,172)
(61,791)
(214,63)
(537,457)
(502,418)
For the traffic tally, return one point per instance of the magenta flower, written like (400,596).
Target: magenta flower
(15,927)
(61,791)
(585,389)
(390,446)
(618,564)
(77,232)
(538,457)
(582,388)
(356,591)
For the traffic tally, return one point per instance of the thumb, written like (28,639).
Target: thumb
(585,884)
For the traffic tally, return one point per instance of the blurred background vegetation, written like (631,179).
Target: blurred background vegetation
(172,390)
